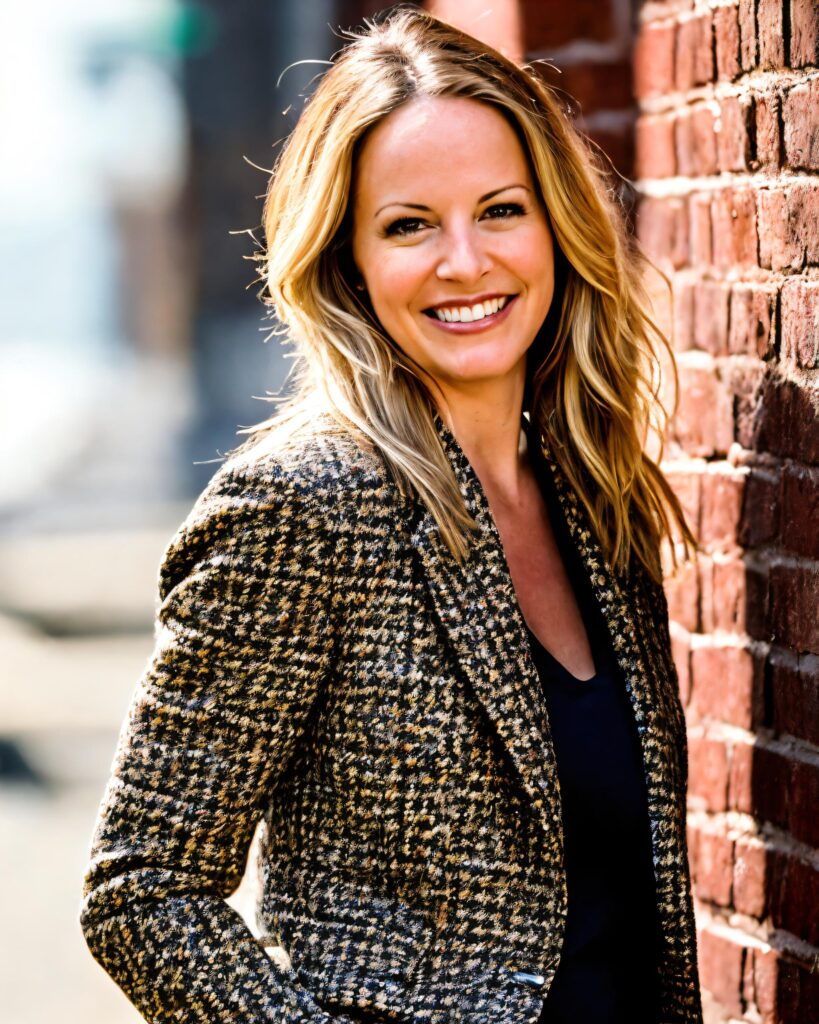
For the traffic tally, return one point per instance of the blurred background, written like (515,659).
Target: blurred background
(137,141)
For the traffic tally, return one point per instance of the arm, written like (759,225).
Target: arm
(247,591)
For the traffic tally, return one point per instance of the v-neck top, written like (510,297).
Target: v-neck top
(608,968)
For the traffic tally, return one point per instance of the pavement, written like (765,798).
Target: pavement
(76,630)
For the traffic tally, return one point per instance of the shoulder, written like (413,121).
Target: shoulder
(317,490)
(321,464)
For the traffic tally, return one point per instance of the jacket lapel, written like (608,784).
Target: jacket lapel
(481,618)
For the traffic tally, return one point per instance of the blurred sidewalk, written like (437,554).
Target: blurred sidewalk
(76,630)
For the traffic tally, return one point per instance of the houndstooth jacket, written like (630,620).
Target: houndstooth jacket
(324,666)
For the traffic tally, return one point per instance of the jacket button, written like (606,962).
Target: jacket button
(535,980)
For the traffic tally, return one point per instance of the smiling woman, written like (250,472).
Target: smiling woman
(464,285)
(415,625)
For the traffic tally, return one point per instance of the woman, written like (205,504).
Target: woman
(415,624)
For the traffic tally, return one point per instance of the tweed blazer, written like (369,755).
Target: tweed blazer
(324,666)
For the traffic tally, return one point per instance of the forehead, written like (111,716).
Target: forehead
(438,147)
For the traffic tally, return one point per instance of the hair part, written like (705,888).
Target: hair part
(593,371)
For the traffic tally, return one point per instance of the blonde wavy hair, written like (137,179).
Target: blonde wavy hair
(590,385)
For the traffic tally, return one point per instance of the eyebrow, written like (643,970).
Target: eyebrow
(420,206)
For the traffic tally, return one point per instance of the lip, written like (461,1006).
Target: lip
(469,301)
(474,326)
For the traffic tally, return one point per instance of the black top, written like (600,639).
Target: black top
(608,970)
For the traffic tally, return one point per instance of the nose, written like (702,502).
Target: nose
(463,256)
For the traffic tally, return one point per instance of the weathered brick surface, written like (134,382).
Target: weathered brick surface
(734,136)
(800,322)
(728,137)
(726,35)
(794,695)
(752,320)
(800,115)
(804,20)
(767,136)
(693,54)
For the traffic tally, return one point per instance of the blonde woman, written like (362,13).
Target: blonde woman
(415,625)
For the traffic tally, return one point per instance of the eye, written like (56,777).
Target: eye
(402,227)
(502,211)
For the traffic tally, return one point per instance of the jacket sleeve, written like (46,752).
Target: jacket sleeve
(243,640)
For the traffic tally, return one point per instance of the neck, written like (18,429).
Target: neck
(490,434)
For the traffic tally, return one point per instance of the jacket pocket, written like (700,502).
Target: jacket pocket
(356,948)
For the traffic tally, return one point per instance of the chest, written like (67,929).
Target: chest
(538,568)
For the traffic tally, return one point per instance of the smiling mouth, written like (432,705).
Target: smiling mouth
(469,314)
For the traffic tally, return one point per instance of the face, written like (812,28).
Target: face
(452,241)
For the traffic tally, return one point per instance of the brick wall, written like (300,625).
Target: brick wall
(584,49)
(727,150)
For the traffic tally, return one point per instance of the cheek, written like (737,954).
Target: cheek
(396,279)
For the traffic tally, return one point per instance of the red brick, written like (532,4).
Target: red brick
(662,228)
(722,489)
(711,317)
(704,136)
(686,482)
(804,33)
(786,990)
(804,201)
(721,962)
(747,34)
(752,320)
(699,228)
(800,322)
(655,147)
(768,146)
(769,17)
(708,771)
(786,422)
(799,115)
(788,226)
(705,580)
(772,780)
(714,866)
(750,877)
(732,135)
(595,85)
(734,228)
(803,799)
(654,59)
(794,893)
(756,598)
(703,424)
(693,57)
(800,510)
(726,33)
(747,391)
(684,144)
(729,595)
(794,599)
(741,778)
(683,314)
(759,517)
(682,592)
(726,684)
(794,696)
(766,984)
(550,25)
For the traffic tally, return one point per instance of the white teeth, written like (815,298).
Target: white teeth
(468,314)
